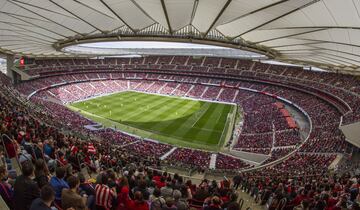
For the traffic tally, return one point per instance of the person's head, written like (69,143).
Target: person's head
(233,206)
(73,182)
(40,167)
(111,174)
(305,204)
(81,178)
(47,194)
(216,200)
(124,182)
(184,191)
(104,179)
(157,192)
(138,196)
(3,172)
(68,170)
(226,184)
(60,172)
(169,201)
(142,184)
(233,196)
(177,194)
(27,169)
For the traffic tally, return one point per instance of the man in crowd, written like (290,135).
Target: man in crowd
(25,189)
(104,194)
(58,183)
(71,198)
(47,196)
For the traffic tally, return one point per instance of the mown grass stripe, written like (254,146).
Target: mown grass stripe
(170,119)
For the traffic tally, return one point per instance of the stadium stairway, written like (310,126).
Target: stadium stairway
(212,164)
(168,153)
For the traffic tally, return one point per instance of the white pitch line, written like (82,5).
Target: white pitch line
(201,115)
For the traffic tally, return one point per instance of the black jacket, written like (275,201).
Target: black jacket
(25,191)
(38,204)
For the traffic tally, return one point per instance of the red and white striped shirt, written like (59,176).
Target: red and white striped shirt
(91,149)
(104,196)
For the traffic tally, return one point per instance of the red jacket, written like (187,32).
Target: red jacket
(124,201)
(138,206)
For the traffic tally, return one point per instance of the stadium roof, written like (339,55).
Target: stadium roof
(318,32)
(130,48)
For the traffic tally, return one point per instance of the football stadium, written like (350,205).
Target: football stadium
(179,104)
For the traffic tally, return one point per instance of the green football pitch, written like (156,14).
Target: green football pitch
(169,119)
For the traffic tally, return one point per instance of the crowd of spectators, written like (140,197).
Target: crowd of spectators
(261,115)
(287,138)
(189,158)
(255,141)
(300,180)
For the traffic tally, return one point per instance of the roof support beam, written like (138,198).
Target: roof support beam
(25,29)
(196,3)
(331,42)
(46,18)
(68,11)
(290,35)
(337,51)
(45,9)
(291,45)
(24,48)
(325,27)
(93,9)
(258,10)
(166,16)
(274,19)
(217,17)
(142,10)
(342,58)
(22,44)
(36,25)
(330,59)
(22,38)
(325,56)
(117,15)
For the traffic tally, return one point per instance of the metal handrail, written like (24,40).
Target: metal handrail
(43,156)
(15,146)
(3,143)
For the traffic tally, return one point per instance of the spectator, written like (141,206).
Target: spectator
(179,203)
(123,194)
(167,190)
(41,173)
(49,148)
(233,199)
(215,204)
(233,206)
(58,183)
(169,204)
(25,189)
(86,187)
(157,201)
(138,203)
(237,181)
(104,196)
(5,188)
(47,196)
(71,198)
(142,188)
